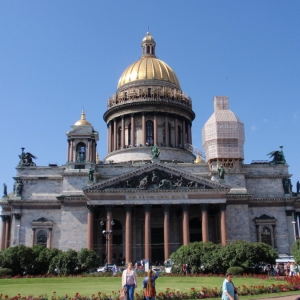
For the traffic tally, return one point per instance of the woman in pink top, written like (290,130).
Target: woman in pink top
(129,281)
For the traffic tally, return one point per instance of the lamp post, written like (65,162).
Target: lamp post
(107,234)
(294,225)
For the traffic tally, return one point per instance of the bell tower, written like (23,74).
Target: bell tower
(82,143)
(223,137)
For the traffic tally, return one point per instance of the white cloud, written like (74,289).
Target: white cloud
(266,120)
(253,128)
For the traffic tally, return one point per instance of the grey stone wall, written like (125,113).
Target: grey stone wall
(28,215)
(73,233)
(237,222)
(282,232)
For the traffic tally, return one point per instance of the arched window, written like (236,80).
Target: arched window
(80,152)
(41,238)
(266,236)
(119,137)
(149,132)
(129,134)
(148,49)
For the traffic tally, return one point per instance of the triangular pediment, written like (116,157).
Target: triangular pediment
(156,176)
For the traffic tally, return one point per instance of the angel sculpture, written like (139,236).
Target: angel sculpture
(278,157)
(26,159)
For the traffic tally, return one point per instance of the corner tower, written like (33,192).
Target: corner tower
(223,137)
(82,143)
(149,108)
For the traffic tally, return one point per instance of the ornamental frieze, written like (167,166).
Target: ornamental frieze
(156,180)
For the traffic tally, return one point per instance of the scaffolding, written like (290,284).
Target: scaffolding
(223,136)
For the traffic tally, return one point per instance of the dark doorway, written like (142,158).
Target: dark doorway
(195,230)
(157,241)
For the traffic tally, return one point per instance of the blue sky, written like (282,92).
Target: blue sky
(57,57)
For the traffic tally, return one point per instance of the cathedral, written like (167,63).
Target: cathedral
(154,191)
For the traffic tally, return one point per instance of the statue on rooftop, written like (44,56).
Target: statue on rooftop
(18,188)
(278,157)
(221,172)
(91,174)
(26,159)
(155,151)
(4,189)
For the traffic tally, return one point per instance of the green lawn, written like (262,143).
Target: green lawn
(93,285)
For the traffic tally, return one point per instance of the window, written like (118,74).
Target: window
(41,238)
(119,137)
(80,152)
(149,132)
(266,236)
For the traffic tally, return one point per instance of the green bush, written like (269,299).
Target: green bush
(6,272)
(236,270)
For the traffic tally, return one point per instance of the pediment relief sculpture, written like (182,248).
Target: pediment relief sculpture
(157,179)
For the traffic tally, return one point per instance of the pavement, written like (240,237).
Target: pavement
(293,297)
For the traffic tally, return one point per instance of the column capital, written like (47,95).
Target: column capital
(3,218)
(50,228)
(147,207)
(33,229)
(185,206)
(204,206)
(17,216)
(109,208)
(91,208)
(166,207)
(222,206)
(128,207)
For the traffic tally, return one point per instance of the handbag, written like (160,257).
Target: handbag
(236,296)
(123,294)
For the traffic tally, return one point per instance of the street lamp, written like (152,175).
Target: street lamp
(107,234)
(294,225)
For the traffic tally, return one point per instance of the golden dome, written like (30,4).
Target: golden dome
(82,121)
(198,160)
(148,67)
(148,38)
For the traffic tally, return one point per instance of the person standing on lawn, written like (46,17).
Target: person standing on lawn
(228,288)
(149,285)
(129,281)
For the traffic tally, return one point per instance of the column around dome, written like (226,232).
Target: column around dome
(132,130)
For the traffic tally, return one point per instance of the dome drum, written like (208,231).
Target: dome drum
(150,93)
(143,154)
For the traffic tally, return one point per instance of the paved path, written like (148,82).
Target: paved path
(293,297)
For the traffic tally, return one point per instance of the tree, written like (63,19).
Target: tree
(64,263)
(87,259)
(198,255)
(296,251)
(247,254)
(18,258)
(42,259)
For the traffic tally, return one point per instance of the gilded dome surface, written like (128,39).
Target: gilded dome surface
(82,120)
(148,67)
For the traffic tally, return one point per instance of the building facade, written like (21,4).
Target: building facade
(154,191)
